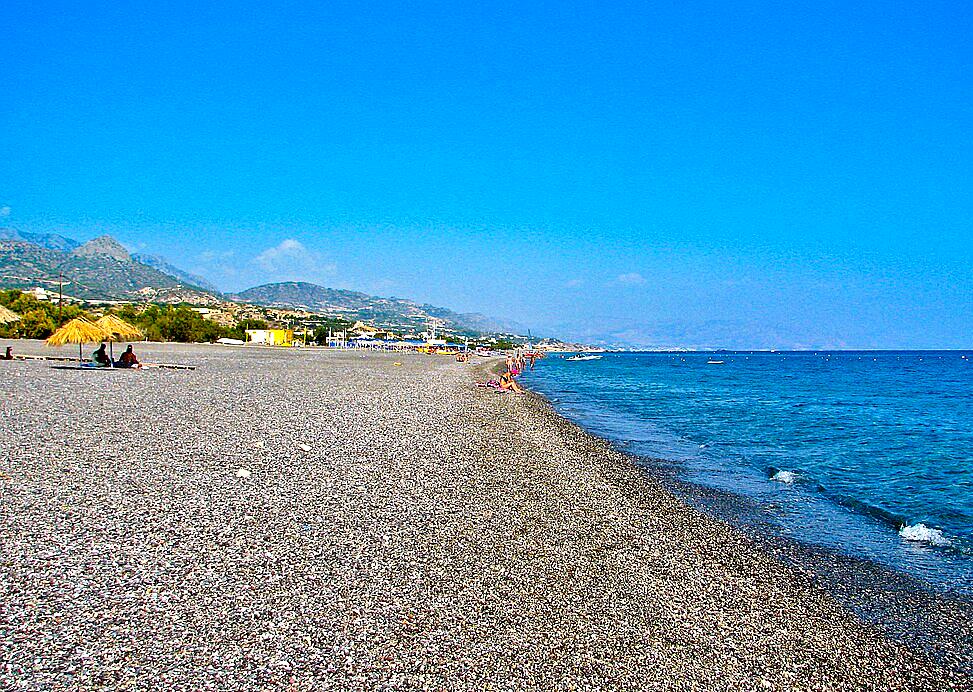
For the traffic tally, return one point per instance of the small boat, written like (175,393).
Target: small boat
(585,356)
(714,362)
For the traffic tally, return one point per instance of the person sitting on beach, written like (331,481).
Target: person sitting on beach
(509,384)
(9,355)
(101,358)
(128,359)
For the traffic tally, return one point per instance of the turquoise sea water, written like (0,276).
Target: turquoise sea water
(867,453)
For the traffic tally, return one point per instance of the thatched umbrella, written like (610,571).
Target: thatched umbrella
(118,330)
(77,331)
(7,315)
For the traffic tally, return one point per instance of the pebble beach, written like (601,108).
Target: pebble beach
(304,519)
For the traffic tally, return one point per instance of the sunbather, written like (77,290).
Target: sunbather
(100,357)
(128,359)
(508,383)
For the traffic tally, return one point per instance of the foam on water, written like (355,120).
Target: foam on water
(880,440)
(920,533)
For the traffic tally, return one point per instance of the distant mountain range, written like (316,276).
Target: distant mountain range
(390,312)
(163,266)
(51,241)
(102,269)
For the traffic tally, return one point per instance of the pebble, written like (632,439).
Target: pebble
(444,537)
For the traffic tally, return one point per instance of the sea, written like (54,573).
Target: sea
(867,455)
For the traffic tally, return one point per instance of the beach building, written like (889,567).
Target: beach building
(367,331)
(337,339)
(271,337)
(38,293)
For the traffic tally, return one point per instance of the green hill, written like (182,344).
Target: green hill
(102,269)
(394,313)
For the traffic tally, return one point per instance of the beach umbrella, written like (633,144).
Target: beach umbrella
(77,331)
(7,316)
(118,330)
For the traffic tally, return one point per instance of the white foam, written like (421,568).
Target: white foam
(923,534)
(787,477)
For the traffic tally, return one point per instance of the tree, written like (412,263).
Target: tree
(38,318)
(35,324)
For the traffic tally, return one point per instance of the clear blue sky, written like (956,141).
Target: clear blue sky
(738,174)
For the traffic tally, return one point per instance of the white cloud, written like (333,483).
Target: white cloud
(631,279)
(209,256)
(291,260)
(573,283)
(5,211)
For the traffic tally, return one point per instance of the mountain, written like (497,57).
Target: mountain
(51,241)
(100,269)
(160,263)
(103,246)
(395,313)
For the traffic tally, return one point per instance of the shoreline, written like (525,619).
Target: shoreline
(888,607)
(896,604)
(397,527)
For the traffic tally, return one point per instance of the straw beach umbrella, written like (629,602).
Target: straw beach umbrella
(118,329)
(77,331)
(7,316)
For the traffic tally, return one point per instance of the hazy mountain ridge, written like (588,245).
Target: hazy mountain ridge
(393,312)
(100,269)
(160,263)
(50,241)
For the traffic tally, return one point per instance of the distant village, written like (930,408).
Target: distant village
(289,327)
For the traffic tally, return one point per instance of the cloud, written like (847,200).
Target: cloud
(573,283)
(210,256)
(5,211)
(631,279)
(288,253)
(291,260)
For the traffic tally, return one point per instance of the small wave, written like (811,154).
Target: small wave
(921,533)
(786,477)
(885,516)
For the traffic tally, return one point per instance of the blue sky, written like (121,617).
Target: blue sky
(749,174)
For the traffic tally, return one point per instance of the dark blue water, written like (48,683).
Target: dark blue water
(868,453)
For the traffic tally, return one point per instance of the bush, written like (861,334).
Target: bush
(39,318)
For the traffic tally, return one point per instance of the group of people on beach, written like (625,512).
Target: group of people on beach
(515,364)
(127,360)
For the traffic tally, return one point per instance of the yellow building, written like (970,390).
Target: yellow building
(271,337)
